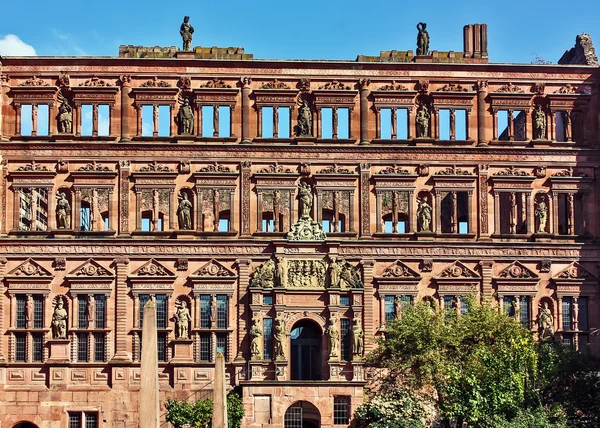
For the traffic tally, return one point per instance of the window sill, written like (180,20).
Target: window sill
(29,233)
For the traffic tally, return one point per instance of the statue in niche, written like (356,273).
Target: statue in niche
(334,337)
(335,273)
(29,311)
(422,39)
(186,30)
(255,333)
(516,306)
(424,215)
(306,198)
(213,310)
(546,322)
(65,117)
(423,117)
(281,272)
(358,336)
(541,212)
(305,120)
(185,118)
(279,339)
(63,211)
(59,320)
(91,310)
(539,123)
(182,318)
(184,212)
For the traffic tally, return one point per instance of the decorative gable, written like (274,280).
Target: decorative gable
(516,279)
(457,270)
(516,270)
(153,269)
(399,270)
(575,280)
(457,279)
(575,272)
(152,277)
(29,277)
(91,268)
(213,277)
(398,278)
(29,268)
(90,277)
(214,269)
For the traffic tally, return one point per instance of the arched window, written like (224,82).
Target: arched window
(302,414)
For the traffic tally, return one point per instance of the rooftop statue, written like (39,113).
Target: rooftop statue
(422,39)
(186,30)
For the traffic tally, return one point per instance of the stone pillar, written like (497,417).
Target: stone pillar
(232,213)
(369,300)
(125,109)
(364,111)
(437,212)
(365,200)
(497,230)
(529,213)
(554,212)
(123,224)
(17,119)
(471,227)
(454,223)
(219,418)
(394,120)
(246,81)
(172,215)
(378,199)
(122,354)
(453,124)
(148,398)
(570,213)
(246,173)
(76,209)
(243,266)
(34,119)
(4,88)
(486,276)
(138,210)
(3,262)
(154,120)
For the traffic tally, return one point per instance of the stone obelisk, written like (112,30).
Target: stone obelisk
(148,400)
(220,395)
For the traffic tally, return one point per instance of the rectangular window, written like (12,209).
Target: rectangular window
(268,338)
(222,344)
(345,300)
(345,337)
(390,308)
(20,347)
(525,313)
(205,347)
(567,305)
(161,311)
(583,314)
(568,340)
(464,308)
(267,300)
(99,346)
(144,298)
(21,313)
(82,347)
(38,344)
(205,311)
(449,303)
(91,420)
(85,217)
(341,410)
(224,121)
(75,420)
(100,313)
(78,419)
(162,346)
(509,307)
(584,343)
(222,311)
(38,311)
(223,225)
(82,312)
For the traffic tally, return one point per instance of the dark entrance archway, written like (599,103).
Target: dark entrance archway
(306,339)
(302,414)
(25,425)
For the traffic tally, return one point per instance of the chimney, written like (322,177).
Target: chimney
(475,41)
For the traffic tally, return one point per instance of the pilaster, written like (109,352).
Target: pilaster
(243,266)
(368,266)
(122,353)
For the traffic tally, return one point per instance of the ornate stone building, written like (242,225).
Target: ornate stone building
(279,212)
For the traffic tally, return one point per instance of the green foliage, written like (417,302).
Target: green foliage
(536,418)
(397,409)
(199,413)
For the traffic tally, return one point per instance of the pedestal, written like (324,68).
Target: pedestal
(305,141)
(280,370)
(185,234)
(358,372)
(258,370)
(335,371)
(542,237)
(59,351)
(183,351)
(425,236)
(62,233)
(185,55)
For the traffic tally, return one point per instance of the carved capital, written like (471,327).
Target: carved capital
(364,83)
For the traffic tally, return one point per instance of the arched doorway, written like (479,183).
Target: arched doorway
(25,425)
(302,414)
(306,339)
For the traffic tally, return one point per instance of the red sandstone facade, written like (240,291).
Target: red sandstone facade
(480,168)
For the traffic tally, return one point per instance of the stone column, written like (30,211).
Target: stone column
(246,172)
(570,213)
(4,88)
(215,120)
(554,211)
(3,262)
(243,266)
(219,418)
(437,212)
(123,224)
(394,120)
(34,119)
(232,213)
(529,213)
(125,109)
(77,209)
(172,215)
(258,121)
(52,113)
(95,120)
(412,220)
(452,124)
(364,111)
(122,305)
(351,210)
(259,211)
(198,119)
(155,120)
(497,230)
(368,266)
(486,276)
(246,81)
(138,210)
(17,119)
(148,398)
(365,200)
(472,226)
(454,224)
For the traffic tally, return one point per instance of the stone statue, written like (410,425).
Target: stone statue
(541,212)
(423,117)
(255,333)
(306,198)
(63,211)
(264,275)
(422,39)
(358,336)
(183,318)
(545,322)
(281,272)
(349,276)
(29,311)
(213,310)
(184,212)
(185,118)
(279,339)
(186,30)
(539,123)
(91,308)
(65,118)
(59,320)
(335,272)
(516,305)
(424,215)
(334,338)
(305,120)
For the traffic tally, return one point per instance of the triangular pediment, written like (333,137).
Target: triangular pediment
(457,270)
(91,268)
(29,268)
(399,270)
(575,271)
(153,269)
(214,269)
(517,270)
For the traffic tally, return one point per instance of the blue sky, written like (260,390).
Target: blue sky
(306,29)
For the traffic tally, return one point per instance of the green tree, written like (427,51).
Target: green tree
(474,367)
(199,413)
(399,408)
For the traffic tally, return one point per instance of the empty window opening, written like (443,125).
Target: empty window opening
(147,121)
(267,122)
(86,120)
(164,121)
(444,118)
(385,115)
(42,120)
(224,121)
(208,118)
(561,126)
(26,126)
(461,124)
(103,120)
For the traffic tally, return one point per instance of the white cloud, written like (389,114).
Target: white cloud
(11,45)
